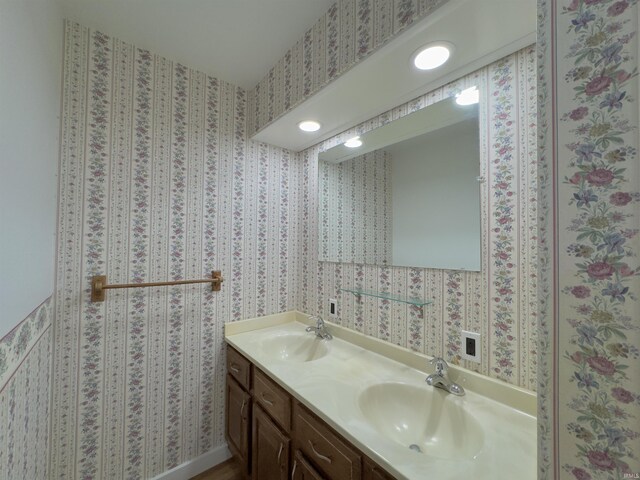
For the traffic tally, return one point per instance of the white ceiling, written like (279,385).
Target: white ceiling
(234,40)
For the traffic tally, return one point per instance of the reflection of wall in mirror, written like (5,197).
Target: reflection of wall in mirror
(355,210)
(436,199)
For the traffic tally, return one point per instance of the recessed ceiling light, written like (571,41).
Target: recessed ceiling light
(309,126)
(354,142)
(432,56)
(469,96)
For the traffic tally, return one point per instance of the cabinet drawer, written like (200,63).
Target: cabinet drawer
(302,470)
(239,368)
(374,472)
(324,448)
(273,399)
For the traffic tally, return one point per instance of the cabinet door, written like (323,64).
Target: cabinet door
(269,450)
(302,470)
(238,422)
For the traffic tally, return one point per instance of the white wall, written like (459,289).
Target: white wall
(31,37)
(424,183)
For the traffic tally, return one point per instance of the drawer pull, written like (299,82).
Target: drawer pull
(266,400)
(280,452)
(319,455)
(244,404)
(234,368)
(293,471)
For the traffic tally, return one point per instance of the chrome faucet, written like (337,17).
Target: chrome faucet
(320,329)
(439,378)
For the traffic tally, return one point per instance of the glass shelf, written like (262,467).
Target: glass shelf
(388,296)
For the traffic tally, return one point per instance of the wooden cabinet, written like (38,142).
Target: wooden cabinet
(302,470)
(373,472)
(265,425)
(239,368)
(329,453)
(273,399)
(238,422)
(270,448)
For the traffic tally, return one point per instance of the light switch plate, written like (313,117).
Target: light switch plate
(471,346)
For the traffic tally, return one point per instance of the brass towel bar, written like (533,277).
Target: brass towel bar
(99,284)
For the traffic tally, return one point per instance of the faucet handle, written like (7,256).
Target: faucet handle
(441,365)
(318,320)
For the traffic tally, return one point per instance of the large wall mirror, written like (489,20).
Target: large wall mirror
(407,193)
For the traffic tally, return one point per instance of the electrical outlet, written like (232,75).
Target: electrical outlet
(471,346)
(333,307)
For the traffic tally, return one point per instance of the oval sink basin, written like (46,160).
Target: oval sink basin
(425,420)
(295,348)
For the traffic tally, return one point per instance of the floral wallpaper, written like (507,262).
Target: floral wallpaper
(158,181)
(592,152)
(348,33)
(25,361)
(355,213)
(17,344)
(547,338)
(500,302)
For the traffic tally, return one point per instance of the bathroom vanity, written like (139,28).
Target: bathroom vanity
(359,408)
(275,436)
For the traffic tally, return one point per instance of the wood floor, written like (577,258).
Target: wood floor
(229,470)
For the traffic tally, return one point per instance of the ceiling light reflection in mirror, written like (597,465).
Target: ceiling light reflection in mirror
(469,96)
(354,142)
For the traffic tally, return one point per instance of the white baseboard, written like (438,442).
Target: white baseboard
(198,465)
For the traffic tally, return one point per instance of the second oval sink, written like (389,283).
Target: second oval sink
(295,348)
(422,419)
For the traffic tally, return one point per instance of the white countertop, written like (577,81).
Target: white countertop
(331,385)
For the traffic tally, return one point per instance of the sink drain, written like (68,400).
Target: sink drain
(415,448)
